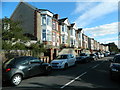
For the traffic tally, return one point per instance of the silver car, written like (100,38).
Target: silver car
(63,61)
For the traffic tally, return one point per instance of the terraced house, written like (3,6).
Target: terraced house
(48,28)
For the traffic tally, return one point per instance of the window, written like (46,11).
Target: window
(43,20)
(63,39)
(49,21)
(53,37)
(71,41)
(34,61)
(44,35)
(63,28)
(74,32)
(71,32)
(54,25)
(23,62)
(62,57)
(49,35)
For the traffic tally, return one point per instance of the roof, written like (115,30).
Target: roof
(32,7)
(45,10)
(79,29)
(72,24)
(62,20)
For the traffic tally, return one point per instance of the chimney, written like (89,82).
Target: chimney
(56,16)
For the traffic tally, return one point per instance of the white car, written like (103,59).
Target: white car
(63,61)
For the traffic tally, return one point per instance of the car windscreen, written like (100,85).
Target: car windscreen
(116,59)
(62,57)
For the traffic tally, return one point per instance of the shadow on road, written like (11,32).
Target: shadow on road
(95,78)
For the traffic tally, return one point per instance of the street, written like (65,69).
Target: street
(94,74)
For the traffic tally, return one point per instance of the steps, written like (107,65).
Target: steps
(68,51)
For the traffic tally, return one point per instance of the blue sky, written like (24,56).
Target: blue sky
(98,19)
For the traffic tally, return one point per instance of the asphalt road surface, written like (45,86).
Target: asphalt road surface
(94,74)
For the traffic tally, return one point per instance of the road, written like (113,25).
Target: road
(94,74)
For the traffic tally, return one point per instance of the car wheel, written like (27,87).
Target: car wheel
(66,66)
(16,79)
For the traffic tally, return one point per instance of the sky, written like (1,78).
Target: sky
(99,19)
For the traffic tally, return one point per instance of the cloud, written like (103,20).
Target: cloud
(108,39)
(102,30)
(83,7)
(95,11)
(106,33)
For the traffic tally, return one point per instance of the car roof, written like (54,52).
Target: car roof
(117,55)
(23,57)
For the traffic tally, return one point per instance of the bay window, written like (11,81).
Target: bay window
(63,39)
(49,21)
(49,35)
(54,25)
(64,28)
(44,35)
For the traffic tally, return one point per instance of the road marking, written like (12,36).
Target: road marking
(95,66)
(73,80)
(79,76)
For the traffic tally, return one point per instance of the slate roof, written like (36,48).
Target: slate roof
(72,24)
(62,20)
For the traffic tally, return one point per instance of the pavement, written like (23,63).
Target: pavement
(94,74)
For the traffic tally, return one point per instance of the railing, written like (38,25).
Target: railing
(45,59)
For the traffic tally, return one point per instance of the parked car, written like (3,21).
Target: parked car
(105,54)
(63,61)
(16,69)
(83,57)
(98,55)
(93,56)
(112,53)
(108,53)
(115,67)
(102,55)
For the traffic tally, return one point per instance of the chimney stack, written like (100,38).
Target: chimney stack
(56,16)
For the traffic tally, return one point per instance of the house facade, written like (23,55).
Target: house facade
(73,35)
(46,27)
(64,32)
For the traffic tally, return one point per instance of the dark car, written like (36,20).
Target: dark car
(93,56)
(16,69)
(115,67)
(83,57)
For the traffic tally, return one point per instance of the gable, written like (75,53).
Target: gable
(21,4)
(67,22)
(75,27)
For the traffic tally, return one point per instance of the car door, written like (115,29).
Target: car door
(68,60)
(35,66)
(72,59)
(24,67)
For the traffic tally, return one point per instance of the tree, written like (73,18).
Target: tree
(113,47)
(37,48)
(11,33)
